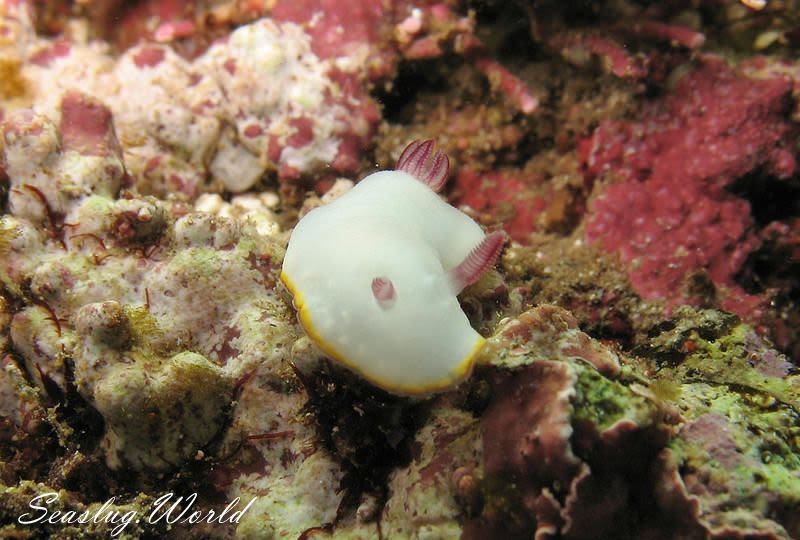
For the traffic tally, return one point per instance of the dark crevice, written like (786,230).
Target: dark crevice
(367,430)
(412,80)
(771,199)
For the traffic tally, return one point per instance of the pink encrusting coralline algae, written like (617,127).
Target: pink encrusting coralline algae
(668,210)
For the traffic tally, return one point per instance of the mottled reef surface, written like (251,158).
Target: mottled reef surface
(640,378)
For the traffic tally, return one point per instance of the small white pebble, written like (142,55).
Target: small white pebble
(247,202)
(270,199)
(208,202)
(264,227)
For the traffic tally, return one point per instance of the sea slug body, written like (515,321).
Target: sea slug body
(375,274)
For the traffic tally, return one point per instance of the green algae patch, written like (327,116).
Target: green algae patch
(198,262)
(602,402)
(245,246)
(745,456)
(142,324)
(736,446)
(742,361)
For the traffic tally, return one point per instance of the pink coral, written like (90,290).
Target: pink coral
(351,35)
(624,38)
(338,28)
(509,84)
(86,126)
(669,216)
(149,19)
(578,48)
(516,200)
(295,111)
(50,165)
(260,100)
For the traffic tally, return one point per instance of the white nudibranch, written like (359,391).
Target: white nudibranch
(375,274)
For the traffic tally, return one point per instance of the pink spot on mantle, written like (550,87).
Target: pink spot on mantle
(383,291)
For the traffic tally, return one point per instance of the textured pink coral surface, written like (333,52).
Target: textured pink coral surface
(668,213)
(499,193)
(337,26)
